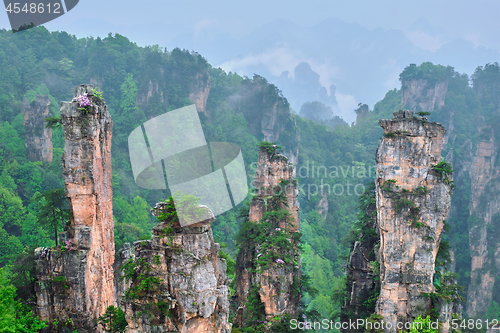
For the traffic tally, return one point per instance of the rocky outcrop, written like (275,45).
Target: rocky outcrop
(362,270)
(143,98)
(362,273)
(362,111)
(120,283)
(268,265)
(178,282)
(272,168)
(75,284)
(413,200)
(38,138)
(267,113)
(200,89)
(322,206)
(483,236)
(419,95)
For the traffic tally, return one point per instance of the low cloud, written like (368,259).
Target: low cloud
(277,61)
(347,105)
(393,80)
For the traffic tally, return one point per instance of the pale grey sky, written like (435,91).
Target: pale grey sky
(159,21)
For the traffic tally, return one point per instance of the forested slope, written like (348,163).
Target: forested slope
(334,166)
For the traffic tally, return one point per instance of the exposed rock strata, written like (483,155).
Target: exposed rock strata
(270,115)
(413,200)
(477,173)
(120,283)
(200,89)
(267,113)
(143,98)
(271,169)
(362,269)
(275,282)
(192,293)
(88,269)
(38,138)
(483,237)
(419,95)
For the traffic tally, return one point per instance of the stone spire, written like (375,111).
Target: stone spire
(75,284)
(265,269)
(413,200)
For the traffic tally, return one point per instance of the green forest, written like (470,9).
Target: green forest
(335,166)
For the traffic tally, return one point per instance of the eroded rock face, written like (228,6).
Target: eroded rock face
(362,269)
(419,95)
(322,206)
(200,89)
(191,294)
(88,266)
(413,200)
(267,113)
(275,281)
(271,169)
(38,138)
(483,237)
(121,284)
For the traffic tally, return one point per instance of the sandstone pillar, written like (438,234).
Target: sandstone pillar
(75,284)
(413,200)
(271,267)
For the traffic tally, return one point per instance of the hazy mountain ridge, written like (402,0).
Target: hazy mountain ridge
(361,63)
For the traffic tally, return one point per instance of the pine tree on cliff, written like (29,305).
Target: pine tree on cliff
(53,209)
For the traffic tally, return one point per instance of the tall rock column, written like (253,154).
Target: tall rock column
(75,283)
(268,265)
(38,137)
(413,200)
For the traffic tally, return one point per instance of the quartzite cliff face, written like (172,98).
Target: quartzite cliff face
(477,175)
(187,283)
(38,138)
(419,95)
(75,286)
(484,235)
(268,267)
(413,200)
(362,270)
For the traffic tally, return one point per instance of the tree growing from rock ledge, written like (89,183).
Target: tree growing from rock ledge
(53,209)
